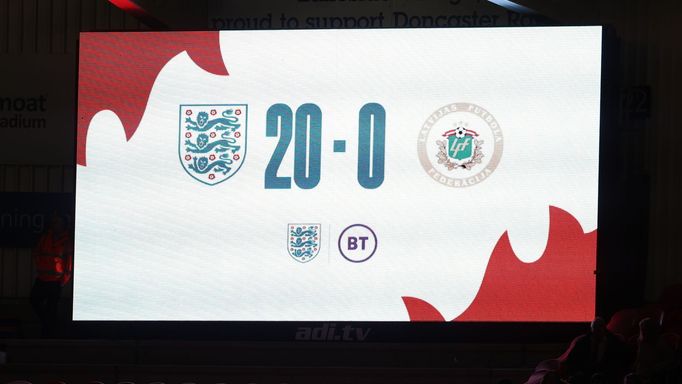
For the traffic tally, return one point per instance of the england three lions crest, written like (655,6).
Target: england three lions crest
(212,140)
(303,241)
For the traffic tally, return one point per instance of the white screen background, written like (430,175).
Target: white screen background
(154,244)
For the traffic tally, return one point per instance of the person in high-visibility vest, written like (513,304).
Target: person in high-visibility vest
(53,259)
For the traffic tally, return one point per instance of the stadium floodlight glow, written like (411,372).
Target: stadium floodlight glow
(512,6)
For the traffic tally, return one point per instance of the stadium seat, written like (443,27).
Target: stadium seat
(624,322)
(552,368)
(544,368)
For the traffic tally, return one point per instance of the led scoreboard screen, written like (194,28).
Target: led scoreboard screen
(338,175)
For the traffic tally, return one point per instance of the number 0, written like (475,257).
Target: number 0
(371,139)
(307,159)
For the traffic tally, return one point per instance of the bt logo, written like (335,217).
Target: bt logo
(357,243)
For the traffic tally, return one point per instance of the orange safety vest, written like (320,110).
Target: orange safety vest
(52,267)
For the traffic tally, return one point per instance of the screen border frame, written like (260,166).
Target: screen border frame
(396,331)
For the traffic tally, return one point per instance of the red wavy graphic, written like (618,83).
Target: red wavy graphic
(117,71)
(420,310)
(559,286)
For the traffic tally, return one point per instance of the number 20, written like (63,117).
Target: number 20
(306,170)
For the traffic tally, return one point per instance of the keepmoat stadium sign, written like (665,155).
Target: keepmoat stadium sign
(23,112)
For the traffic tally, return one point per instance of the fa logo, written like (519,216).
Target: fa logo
(212,141)
(303,241)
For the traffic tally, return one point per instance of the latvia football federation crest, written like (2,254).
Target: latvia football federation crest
(462,149)
(460,145)
(303,241)
(212,140)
